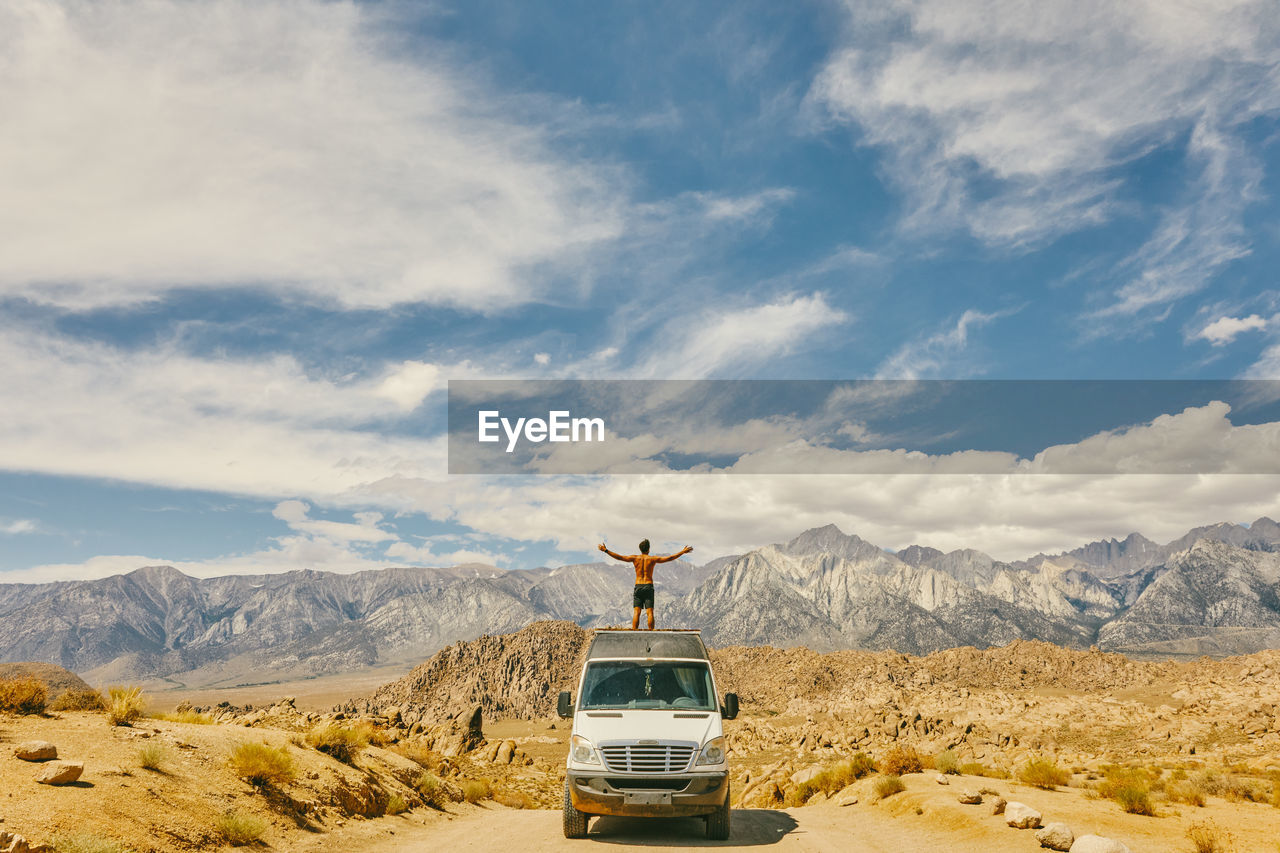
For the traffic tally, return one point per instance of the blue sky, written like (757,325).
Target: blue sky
(243,246)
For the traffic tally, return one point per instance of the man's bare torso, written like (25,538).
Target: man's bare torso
(644,564)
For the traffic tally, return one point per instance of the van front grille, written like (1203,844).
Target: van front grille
(648,758)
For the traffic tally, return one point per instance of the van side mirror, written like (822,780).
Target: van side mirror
(564,706)
(729,710)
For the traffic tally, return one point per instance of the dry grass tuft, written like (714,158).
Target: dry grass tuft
(261,764)
(974,768)
(832,779)
(396,805)
(433,791)
(1208,837)
(424,758)
(901,760)
(185,715)
(1184,792)
(1044,773)
(342,742)
(946,762)
(86,843)
(239,828)
(475,790)
(887,786)
(152,756)
(23,695)
(125,705)
(1130,787)
(513,799)
(78,700)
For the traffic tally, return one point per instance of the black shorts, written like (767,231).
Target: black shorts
(643,596)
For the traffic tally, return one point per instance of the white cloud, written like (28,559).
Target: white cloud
(1009,119)
(18,526)
(733,341)
(1225,329)
(742,208)
(287,144)
(938,353)
(541,359)
(366,528)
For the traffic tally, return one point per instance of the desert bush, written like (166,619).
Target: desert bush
(1207,837)
(475,790)
(125,705)
(239,828)
(832,779)
(78,700)
(86,843)
(901,760)
(1183,792)
(974,768)
(424,758)
(1044,773)
(341,742)
(186,715)
(513,799)
(262,764)
(152,756)
(1130,787)
(432,791)
(887,786)
(946,762)
(23,695)
(396,804)
(1238,789)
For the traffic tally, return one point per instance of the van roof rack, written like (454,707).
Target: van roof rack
(683,643)
(645,630)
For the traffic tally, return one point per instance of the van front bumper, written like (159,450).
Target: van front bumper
(602,793)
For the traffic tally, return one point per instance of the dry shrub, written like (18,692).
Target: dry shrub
(262,764)
(475,790)
(371,734)
(125,705)
(396,805)
(832,779)
(424,758)
(152,756)
(23,695)
(946,762)
(1184,792)
(341,742)
(887,786)
(513,799)
(1238,789)
(1207,837)
(186,715)
(1044,773)
(239,828)
(1130,787)
(78,700)
(974,768)
(87,843)
(901,760)
(434,791)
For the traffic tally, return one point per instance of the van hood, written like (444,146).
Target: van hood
(694,727)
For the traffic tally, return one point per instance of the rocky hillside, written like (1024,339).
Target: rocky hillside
(55,678)
(1215,590)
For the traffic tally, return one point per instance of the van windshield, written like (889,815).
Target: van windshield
(643,684)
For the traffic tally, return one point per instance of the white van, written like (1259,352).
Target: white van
(647,738)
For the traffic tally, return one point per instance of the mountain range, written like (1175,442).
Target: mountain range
(1215,590)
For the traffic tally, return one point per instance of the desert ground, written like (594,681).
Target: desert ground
(1146,754)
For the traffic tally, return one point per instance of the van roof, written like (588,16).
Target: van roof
(614,643)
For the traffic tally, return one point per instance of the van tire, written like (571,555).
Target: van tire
(575,822)
(718,821)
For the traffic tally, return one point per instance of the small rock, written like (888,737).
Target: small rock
(1021,816)
(60,772)
(941,779)
(997,804)
(970,798)
(846,797)
(1056,836)
(36,750)
(1097,844)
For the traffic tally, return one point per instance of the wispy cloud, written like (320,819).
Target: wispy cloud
(939,353)
(283,144)
(1011,120)
(1224,330)
(18,526)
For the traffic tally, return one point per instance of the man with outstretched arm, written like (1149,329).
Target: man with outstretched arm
(644,563)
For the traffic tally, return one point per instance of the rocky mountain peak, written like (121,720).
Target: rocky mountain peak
(917,555)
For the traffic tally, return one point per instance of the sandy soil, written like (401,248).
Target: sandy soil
(310,694)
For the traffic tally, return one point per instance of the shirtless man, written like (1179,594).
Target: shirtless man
(644,563)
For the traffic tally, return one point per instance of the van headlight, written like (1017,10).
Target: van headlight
(712,752)
(581,751)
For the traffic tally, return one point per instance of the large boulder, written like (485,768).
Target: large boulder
(1021,816)
(36,750)
(1056,836)
(802,776)
(60,772)
(1097,844)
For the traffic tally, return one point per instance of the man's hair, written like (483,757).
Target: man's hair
(644,546)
